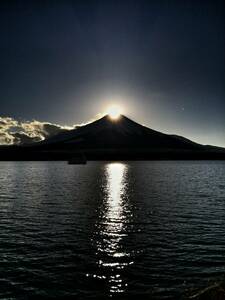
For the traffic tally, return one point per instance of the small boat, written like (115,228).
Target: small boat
(79,159)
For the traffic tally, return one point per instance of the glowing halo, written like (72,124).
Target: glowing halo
(114,112)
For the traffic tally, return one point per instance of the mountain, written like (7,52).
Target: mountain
(115,139)
(120,133)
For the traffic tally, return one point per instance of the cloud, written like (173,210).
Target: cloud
(17,132)
(14,132)
(6,138)
(22,138)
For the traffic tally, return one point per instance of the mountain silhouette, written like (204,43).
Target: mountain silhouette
(108,139)
(119,133)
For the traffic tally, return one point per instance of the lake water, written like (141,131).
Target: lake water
(153,230)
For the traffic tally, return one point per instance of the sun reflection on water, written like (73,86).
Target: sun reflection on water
(111,229)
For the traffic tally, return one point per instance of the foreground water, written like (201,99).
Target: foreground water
(152,229)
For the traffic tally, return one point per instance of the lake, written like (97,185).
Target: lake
(153,230)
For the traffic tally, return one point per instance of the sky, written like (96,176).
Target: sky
(163,62)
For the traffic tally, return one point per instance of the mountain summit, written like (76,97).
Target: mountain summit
(112,139)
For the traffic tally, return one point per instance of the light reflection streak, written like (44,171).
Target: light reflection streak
(111,229)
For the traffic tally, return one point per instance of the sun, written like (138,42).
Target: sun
(114,112)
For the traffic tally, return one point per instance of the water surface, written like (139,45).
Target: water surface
(110,230)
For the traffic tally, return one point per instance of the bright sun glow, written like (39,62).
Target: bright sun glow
(114,112)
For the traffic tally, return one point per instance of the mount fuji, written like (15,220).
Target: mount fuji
(109,139)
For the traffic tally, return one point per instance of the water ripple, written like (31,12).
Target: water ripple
(140,229)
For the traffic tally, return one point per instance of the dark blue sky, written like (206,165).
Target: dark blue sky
(162,61)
